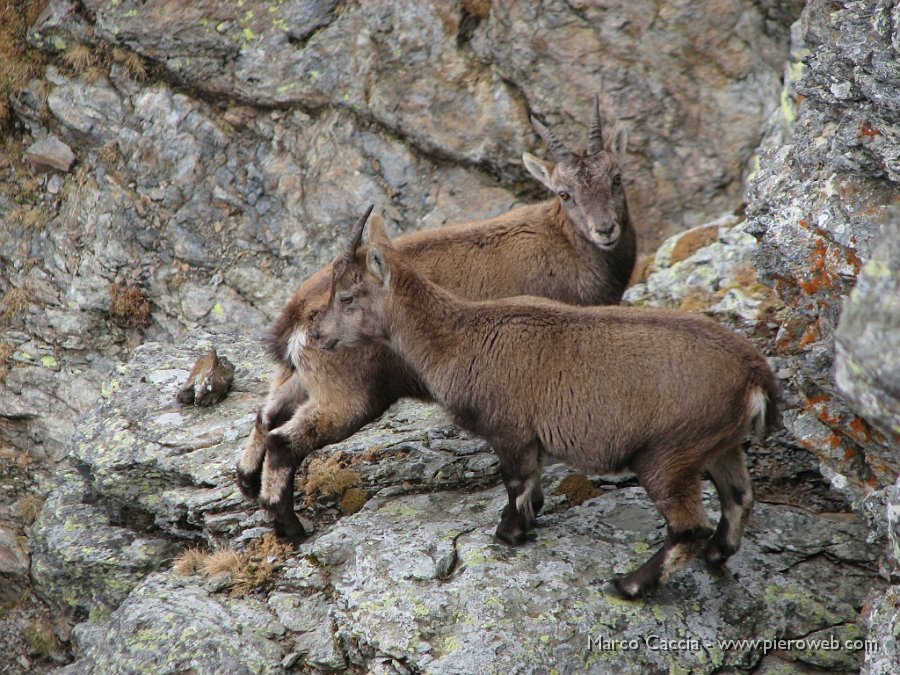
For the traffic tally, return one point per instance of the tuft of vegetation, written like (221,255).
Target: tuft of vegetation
(19,63)
(29,217)
(29,507)
(248,571)
(190,561)
(353,500)
(6,350)
(41,639)
(131,62)
(79,57)
(14,304)
(328,478)
(130,307)
(577,489)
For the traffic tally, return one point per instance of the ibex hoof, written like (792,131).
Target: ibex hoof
(513,537)
(249,483)
(626,587)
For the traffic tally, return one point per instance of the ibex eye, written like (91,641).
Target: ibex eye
(564,196)
(617,179)
(346,300)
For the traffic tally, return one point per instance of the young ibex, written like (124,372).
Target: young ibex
(579,247)
(664,394)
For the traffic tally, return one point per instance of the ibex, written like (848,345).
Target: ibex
(663,394)
(579,248)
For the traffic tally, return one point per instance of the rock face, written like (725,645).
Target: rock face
(222,149)
(415,580)
(819,206)
(867,367)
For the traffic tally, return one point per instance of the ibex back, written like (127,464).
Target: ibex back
(666,395)
(579,248)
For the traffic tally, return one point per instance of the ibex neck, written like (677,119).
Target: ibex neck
(425,323)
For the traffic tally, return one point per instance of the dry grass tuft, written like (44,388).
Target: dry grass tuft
(15,303)
(92,75)
(6,350)
(224,561)
(29,218)
(131,62)
(248,571)
(353,500)
(190,561)
(108,152)
(326,477)
(577,489)
(19,63)
(79,57)
(130,307)
(29,508)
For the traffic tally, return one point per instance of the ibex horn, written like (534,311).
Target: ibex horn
(557,149)
(595,134)
(356,235)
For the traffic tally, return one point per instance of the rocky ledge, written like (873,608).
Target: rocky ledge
(414,581)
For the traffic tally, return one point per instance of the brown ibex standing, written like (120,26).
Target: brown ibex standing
(579,248)
(664,394)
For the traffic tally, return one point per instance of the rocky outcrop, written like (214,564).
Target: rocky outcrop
(222,148)
(818,205)
(415,580)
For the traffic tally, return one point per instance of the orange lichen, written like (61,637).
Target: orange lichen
(834,441)
(868,132)
(849,453)
(860,430)
(821,278)
(692,241)
(816,399)
(810,335)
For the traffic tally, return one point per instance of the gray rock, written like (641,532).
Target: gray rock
(867,364)
(82,557)
(546,604)
(13,559)
(817,205)
(50,153)
(169,624)
(710,269)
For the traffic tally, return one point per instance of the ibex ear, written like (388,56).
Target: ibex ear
(618,140)
(377,231)
(377,264)
(537,168)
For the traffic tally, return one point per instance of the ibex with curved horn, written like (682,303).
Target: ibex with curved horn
(578,247)
(666,395)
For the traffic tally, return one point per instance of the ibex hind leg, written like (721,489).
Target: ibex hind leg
(678,499)
(729,474)
(521,473)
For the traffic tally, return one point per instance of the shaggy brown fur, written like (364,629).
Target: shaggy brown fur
(663,394)
(579,248)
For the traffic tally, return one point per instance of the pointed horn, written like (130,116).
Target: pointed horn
(595,134)
(559,151)
(356,235)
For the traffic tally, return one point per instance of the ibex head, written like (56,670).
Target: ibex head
(589,184)
(359,288)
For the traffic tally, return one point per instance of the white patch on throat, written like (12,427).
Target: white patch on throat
(298,341)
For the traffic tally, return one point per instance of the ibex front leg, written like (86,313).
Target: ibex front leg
(286,393)
(313,426)
(521,473)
